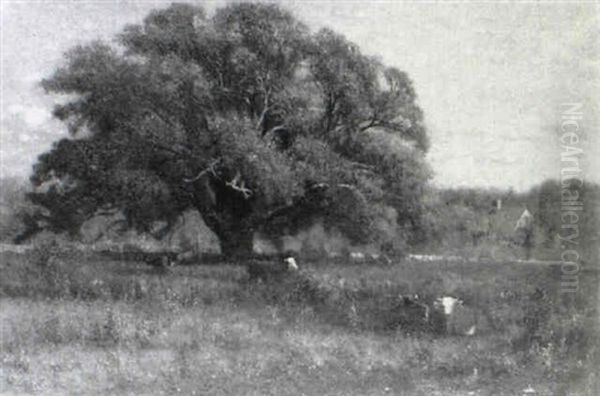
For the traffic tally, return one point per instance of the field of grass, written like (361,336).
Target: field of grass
(76,323)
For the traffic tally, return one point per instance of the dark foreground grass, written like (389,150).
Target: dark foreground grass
(80,324)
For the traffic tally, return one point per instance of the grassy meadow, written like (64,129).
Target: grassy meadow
(84,324)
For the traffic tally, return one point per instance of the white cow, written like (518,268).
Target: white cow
(264,270)
(357,256)
(447,304)
(451,316)
(291,264)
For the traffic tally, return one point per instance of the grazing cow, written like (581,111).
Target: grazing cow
(450,316)
(269,270)
(443,307)
(357,256)
(291,264)
(447,304)
(471,331)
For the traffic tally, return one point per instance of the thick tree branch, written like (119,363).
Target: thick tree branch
(239,185)
(274,129)
(266,107)
(109,228)
(106,212)
(371,124)
(181,154)
(361,166)
(209,169)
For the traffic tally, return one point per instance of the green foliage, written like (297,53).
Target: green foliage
(14,208)
(238,116)
(468,221)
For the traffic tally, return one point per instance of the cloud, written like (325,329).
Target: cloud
(33,116)
(490,76)
(25,132)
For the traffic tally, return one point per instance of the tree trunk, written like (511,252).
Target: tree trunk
(235,237)
(234,234)
(228,215)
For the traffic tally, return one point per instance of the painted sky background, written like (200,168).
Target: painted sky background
(490,77)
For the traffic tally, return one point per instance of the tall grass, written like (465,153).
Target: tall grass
(77,323)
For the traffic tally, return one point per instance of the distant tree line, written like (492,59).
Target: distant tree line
(466,218)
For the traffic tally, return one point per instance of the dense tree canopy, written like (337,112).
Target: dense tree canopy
(244,115)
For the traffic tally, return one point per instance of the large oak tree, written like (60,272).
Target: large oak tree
(245,116)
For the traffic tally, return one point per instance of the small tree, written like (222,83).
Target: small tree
(245,116)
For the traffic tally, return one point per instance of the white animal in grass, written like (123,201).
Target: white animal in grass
(291,264)
(357,256)
(264,270)
(453,317)
(447,304)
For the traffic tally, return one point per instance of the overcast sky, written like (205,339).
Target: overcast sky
(490,77)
